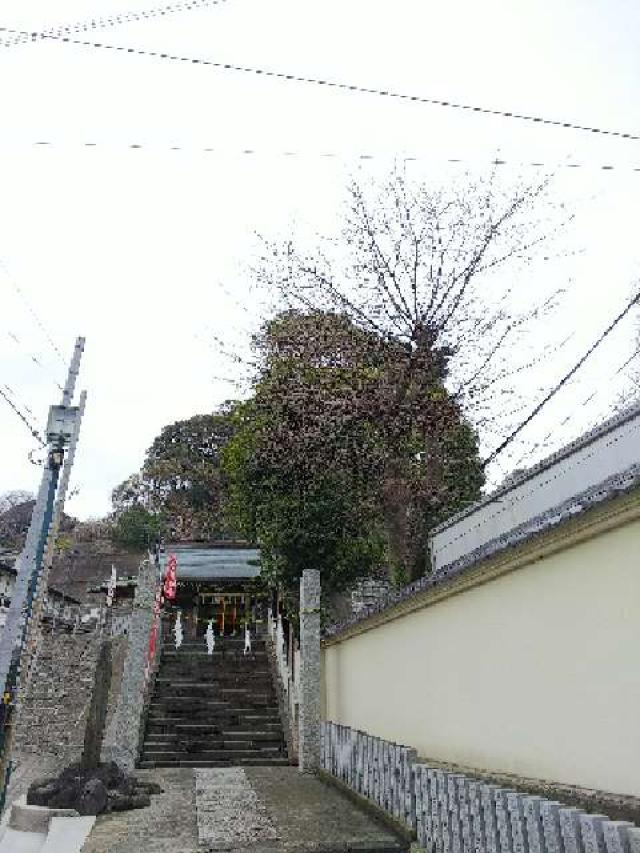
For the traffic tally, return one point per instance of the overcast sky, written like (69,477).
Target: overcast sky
(145,250)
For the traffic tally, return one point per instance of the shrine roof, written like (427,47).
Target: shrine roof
(199,562)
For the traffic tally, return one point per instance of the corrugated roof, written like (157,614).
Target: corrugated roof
(202,563)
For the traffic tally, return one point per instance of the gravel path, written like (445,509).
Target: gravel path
(230,814)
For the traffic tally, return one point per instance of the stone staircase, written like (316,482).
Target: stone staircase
(215,710)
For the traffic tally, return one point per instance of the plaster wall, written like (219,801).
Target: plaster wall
(609,450)
(535,672)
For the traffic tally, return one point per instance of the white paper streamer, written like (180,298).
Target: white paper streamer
(210,638)
(177,630)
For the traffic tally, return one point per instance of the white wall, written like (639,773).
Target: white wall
(536,672)
(612,449)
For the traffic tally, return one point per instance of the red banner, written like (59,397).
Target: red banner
(170,578)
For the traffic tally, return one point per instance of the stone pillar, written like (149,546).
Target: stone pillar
(122,740)
(309,725)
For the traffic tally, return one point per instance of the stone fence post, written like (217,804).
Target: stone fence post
(309,740)
(122,740)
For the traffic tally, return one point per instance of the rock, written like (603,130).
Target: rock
(149,787)
(65,796)
(123,802)
(140,801)
(41,793)
(92,791)
(94,798)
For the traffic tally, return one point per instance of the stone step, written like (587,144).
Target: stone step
(242,762)
(201,652)
(211,688)
(187,688)
(219,652)
(230,718)
(226,702)
(215,669)
(215,742)
(244,704)
(237,722)
(220,697)
(216,710)
(162,715)
(227,640)
(257,736)
(188,703)
(162,710)
(168,678)
(257,686)
(168,726)
(212,754)
(188,685)
(218,658)
(182,694)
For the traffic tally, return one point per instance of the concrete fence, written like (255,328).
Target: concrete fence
(453,813)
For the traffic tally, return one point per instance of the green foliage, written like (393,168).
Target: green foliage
(136,528)
(299,521)
(64,543)
(181,479)
(348,453)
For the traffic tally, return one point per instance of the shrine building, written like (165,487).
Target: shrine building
(219,584)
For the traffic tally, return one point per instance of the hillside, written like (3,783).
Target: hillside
(85,556)
(14,523)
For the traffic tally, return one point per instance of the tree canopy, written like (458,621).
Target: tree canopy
(136,529)
(339,461)
(180,480)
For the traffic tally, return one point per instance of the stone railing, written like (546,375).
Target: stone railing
(287,680)
(453,813)
(288,669)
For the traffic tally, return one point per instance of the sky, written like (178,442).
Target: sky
(147,251)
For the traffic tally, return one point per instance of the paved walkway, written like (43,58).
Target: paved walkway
(166,826)
(244,810)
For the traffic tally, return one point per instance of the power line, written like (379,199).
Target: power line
(336,155)
(543,442)
(333,84)
(113,20)
(564,379)
(31,310)
(16,396)
(34,359)
(22,417)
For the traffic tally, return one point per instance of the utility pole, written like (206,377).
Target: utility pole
(32,638)
(62,430)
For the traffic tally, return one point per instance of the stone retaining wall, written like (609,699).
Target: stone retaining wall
(454,813)
(124,729)
(51,718)
(369,593)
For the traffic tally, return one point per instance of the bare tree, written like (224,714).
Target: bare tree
(13,498)
(435,270)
